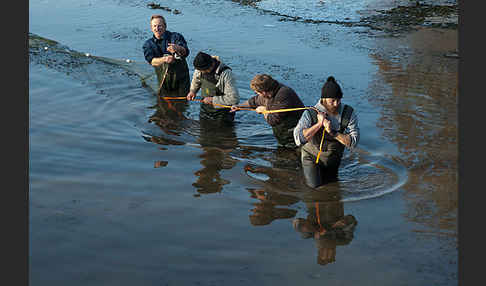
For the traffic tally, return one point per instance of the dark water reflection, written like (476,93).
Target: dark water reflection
(217,141)
(418,94)
(270,206)
(326,223)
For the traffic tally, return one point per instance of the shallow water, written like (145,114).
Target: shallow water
(124,192)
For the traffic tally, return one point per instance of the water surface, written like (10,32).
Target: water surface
(124,191)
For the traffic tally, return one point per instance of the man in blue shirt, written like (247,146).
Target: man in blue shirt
(167,52)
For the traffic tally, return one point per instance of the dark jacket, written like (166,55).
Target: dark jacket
(283,97)
(282,122)
(155,48)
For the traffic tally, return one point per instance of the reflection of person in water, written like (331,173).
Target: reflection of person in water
(266,210)
(168,116)
(327,224)
(216,143)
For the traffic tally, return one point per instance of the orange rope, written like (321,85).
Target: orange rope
(169,97)
(265,112)
(287,109)
(320,147)
(321,228)
(243,108)
(169,105)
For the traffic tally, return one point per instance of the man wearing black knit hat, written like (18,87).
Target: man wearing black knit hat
(218,88)
(333,124)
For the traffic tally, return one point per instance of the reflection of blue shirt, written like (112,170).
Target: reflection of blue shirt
(155,48)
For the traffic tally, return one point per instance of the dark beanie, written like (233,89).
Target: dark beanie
(202,61)
(331,89)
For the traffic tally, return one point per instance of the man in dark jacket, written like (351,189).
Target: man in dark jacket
(167,52)
(272,95)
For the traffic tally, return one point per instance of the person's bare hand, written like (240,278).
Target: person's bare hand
(169,59)
(191,95)
(174,48)
(171,48)
(327,125)
(261,109)
(208,100)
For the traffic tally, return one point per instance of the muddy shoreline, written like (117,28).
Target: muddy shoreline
(401,19)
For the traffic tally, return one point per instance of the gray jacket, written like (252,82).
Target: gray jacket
(306,122)
(226,84)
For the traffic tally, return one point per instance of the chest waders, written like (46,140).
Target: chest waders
(209,89)
(177,74)
(332,150)
(284,131)
(177,77)
(326,170)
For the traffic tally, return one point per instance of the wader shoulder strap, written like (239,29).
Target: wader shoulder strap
(222,70)
(211,75)
(346,116)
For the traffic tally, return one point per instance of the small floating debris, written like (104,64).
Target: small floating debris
(254,173)
(454,55)
(153,5)
(128,60)
(87,54)
(268,25)
(176,11)
(159,164)
(45,48)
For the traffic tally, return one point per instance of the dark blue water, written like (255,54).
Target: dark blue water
(118,198)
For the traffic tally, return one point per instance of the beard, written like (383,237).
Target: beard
(331,109)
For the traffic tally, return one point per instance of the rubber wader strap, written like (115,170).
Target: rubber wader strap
(347,111)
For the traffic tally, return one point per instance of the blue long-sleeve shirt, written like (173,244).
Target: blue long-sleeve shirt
(155,48)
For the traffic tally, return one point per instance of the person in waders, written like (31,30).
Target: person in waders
(338,124)
(273,95)
(167,51)
(218,87)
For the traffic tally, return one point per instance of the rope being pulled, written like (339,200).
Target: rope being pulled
(200,100)
(242,108)
(264,112)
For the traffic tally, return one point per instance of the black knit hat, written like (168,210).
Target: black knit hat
(202,61)
(331,89)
